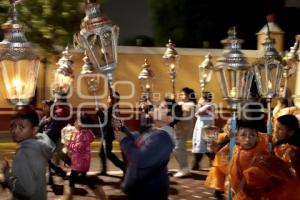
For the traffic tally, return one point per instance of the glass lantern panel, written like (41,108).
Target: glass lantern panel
(221,74)
(245,83)
(205,74)
(233,85)
(19,79)
(101,48)
(274,78)
(261,71)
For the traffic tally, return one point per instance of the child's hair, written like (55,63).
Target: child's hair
(190,93)
(28,114)
(86,120)
(289,121)
(292,124)
(207,96)
(174,110)
(246,124)
(284,101)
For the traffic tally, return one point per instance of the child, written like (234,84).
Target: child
(205,116)
(80,153)
(257,174)
(27,177)
(287,145)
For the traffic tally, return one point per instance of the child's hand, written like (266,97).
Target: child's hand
(117,124)
(5,166)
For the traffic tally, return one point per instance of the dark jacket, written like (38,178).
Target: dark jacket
(58,122)
(107,128)
(146,175)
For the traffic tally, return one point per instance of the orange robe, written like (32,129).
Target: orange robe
(265,176)
(218,171)
(217,174)
(291,155)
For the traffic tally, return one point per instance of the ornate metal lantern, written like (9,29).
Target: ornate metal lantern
(232,68)
(290,65)
(99,38)
(146,78)
(268,72)
(64,74)
(171,60)
(205,71)
(18,63)
(296,95)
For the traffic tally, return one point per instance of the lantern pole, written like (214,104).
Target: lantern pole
(93,81)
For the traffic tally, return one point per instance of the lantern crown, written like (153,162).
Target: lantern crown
(146,72)
(170,52)
(232,57)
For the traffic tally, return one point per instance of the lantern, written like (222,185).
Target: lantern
(99,38)
(18,63)
(268,72)
(235,77)
(146,78)
(290,65)
(64,74)
(232,68)
(171,60)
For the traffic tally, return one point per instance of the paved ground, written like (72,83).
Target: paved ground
(188,188)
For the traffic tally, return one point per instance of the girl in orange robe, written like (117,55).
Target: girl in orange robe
(287,142)
(255,174)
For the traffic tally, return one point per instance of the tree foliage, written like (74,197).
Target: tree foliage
(48,23)
(191,23)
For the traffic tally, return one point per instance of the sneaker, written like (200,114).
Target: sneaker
(183,172)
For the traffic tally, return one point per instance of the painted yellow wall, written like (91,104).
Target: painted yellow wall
(129,66)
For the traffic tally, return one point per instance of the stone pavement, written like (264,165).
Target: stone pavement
(188,188)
